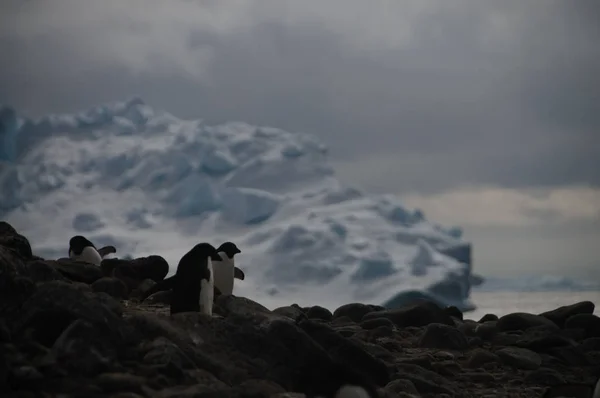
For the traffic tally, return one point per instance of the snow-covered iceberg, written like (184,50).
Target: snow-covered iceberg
(149,183)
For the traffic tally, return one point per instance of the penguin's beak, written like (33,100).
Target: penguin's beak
(215,256)
(237,250)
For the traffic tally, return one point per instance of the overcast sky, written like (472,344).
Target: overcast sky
(484,113)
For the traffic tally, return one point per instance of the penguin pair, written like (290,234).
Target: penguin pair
(223,269)
(81,249)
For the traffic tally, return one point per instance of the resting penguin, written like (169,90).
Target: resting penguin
(81,249)
(225,269)
(194,280)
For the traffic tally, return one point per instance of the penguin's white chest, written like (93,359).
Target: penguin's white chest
(207,291)
(224,275)
(88,255)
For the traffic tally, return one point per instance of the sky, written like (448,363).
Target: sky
(484,113)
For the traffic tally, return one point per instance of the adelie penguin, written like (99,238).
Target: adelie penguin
(194,280)
(81,249)
(339,381)
(225,270)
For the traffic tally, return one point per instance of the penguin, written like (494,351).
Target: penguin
(222,269)
(81,249)
(194,280)
(596,393)
(225,269)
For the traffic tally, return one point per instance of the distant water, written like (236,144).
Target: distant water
(502,303)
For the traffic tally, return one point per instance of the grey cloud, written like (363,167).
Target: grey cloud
(481,92)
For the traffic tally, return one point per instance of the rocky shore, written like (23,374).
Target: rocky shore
(70,329)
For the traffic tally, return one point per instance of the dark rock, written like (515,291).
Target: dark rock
(544,343)
(401,385)
(41,271)
(588,322)
(346,351)
(142,288)
(454,312)
(438,335)
(77,271)
(55,305)
(112,286)
(523,321)
(488,317)
(560,315)
(11,239)
(419,314)
(426,381)
(317,312)
(231,304)
(544,377)
(569,390)
(520,358)
(591,344)
(354,311)
(289,311)
(4,332)
(24,377)
(153,267)
(486,330)
(163,297)
(572,355)
(374,323)
(480,357)
(120,382)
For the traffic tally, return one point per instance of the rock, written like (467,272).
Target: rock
(142,288)
(41,271)
(569,390)
(419,314)
(546,342)
(11,239)
(317,312)
(572,355)
(347,351)
(163,297)
(560,315)
(112,286)
(55,305)
(375,323)
(153,267)
(77,271)
(438,335)
(523,321)
(544,377)
(480,357)
(354,311)
(454,312)
(588,322)
(486,330)
(401,385)
(520,358)
(289,311)
(120,382)
(426,381)
(231,304)
(487,318)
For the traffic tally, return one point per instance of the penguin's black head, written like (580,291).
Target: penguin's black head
(78,243)
(229,248)
(338,380)
(206,250)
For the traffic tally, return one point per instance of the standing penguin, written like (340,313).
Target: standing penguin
(194,280)
(225,269)
(81,249)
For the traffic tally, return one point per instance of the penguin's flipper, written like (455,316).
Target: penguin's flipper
(238,273)
(103,251)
